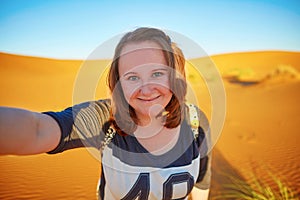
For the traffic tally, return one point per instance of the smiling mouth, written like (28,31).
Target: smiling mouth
(148,100)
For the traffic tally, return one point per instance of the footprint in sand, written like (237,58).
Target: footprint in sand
(243,132)
(248,136)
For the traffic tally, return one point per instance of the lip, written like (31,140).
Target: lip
(148,100)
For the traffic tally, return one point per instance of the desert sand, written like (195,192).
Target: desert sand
(260,133)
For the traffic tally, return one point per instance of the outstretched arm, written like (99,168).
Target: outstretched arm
(23,132)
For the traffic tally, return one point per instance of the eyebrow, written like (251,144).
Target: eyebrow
(164,69)
(134,73)
(160,69)
(129,73)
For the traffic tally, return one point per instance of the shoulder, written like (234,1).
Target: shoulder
(102,103)
(200,127)
(101,107)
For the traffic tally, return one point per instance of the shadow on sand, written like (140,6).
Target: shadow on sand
(220,168)
(235,80)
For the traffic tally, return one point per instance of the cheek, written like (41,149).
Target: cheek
(168,95)
(165,91)
(164,87)
(129,90)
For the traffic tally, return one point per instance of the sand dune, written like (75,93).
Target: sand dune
(260,132)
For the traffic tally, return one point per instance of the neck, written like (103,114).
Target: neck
(147,120)
(144,120)
(158,142)
(149,126)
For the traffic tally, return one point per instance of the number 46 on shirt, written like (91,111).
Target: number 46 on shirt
(141,188)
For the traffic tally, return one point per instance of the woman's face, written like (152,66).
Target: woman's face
(144,77)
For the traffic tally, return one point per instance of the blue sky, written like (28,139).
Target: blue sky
(74,28)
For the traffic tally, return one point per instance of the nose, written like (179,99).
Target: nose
(146,89)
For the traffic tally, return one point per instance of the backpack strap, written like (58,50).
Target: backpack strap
(194,118)
(109,135)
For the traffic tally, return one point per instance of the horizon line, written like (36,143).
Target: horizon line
(212,55)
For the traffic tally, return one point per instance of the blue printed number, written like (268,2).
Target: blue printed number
(141,187)
(175,179)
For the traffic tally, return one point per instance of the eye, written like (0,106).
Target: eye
(157,74)
(133,78)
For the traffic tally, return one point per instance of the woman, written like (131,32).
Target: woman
(154,153)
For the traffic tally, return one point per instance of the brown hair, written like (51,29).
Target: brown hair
(123,116)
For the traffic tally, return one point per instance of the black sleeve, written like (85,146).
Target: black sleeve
(204,178)
(204,143)
(81,125)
